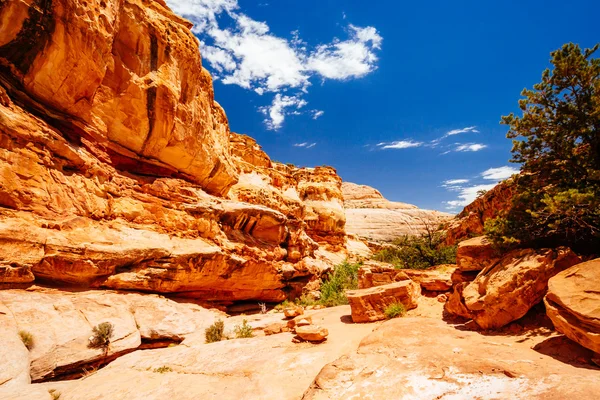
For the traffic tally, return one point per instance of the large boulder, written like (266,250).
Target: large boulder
(475,254)
(505,291)
(369,305)
(573,303)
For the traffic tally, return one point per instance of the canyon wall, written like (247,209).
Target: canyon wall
(118,169)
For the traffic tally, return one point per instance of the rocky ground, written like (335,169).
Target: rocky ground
(419,356)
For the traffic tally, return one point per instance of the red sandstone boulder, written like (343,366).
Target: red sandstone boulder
(573,303)
(475,254)
(505,291)
(369,305)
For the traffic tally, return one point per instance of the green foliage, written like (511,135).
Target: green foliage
(557,141)
(163,369)
(54,393)
(101,335)
(333,289)
(395,310)
(419,252)
(27,339)
(243,331)
(284,304)
(214,333)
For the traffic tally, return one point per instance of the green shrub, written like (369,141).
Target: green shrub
(243,331)
(54,393)
(557,144)
(395,310)
(101,335)
(163,369)
(27,339)
(333,289)
(214,333)
(419,252)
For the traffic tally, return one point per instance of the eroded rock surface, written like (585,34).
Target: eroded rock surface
(369,305)
(573,303)
(371,217)
(118,169)
(506,290)
(471,220)
(405,359)
(60,324)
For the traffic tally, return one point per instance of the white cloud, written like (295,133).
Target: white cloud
(452,182)
(466,194)
(277,111)
(470,147)
(400,144)
(462,130)
(317,114)
(352,58)
(305,145)
(499,174)
(244,52)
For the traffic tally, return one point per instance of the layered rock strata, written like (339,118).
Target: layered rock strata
(505,291)
(573,303)
(118,169)
(373,218)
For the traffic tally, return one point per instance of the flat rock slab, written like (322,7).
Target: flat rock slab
(423,358)
(259,368)
(573,303)
(369,305)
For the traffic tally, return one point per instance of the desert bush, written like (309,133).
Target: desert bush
(27,339)
(101,335)
(54,393)
(163,369)
(419,252)
(333,289)
(214,333)
(243,331)
(395,310)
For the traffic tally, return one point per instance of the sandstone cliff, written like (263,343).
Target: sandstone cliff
(372,217)
(471,220)
(119,171)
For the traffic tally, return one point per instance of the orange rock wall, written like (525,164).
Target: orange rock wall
(118,169)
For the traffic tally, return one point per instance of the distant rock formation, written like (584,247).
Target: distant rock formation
(372,217)
(471,220)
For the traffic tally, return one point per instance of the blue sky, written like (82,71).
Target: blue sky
(402,96)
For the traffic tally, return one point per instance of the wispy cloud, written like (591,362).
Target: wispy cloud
(452,182)
(306,145)
(459,147)
(462,130)
(500,173)
(243,51)
(316,114)
(468,193)
(470,147)
(400,144)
